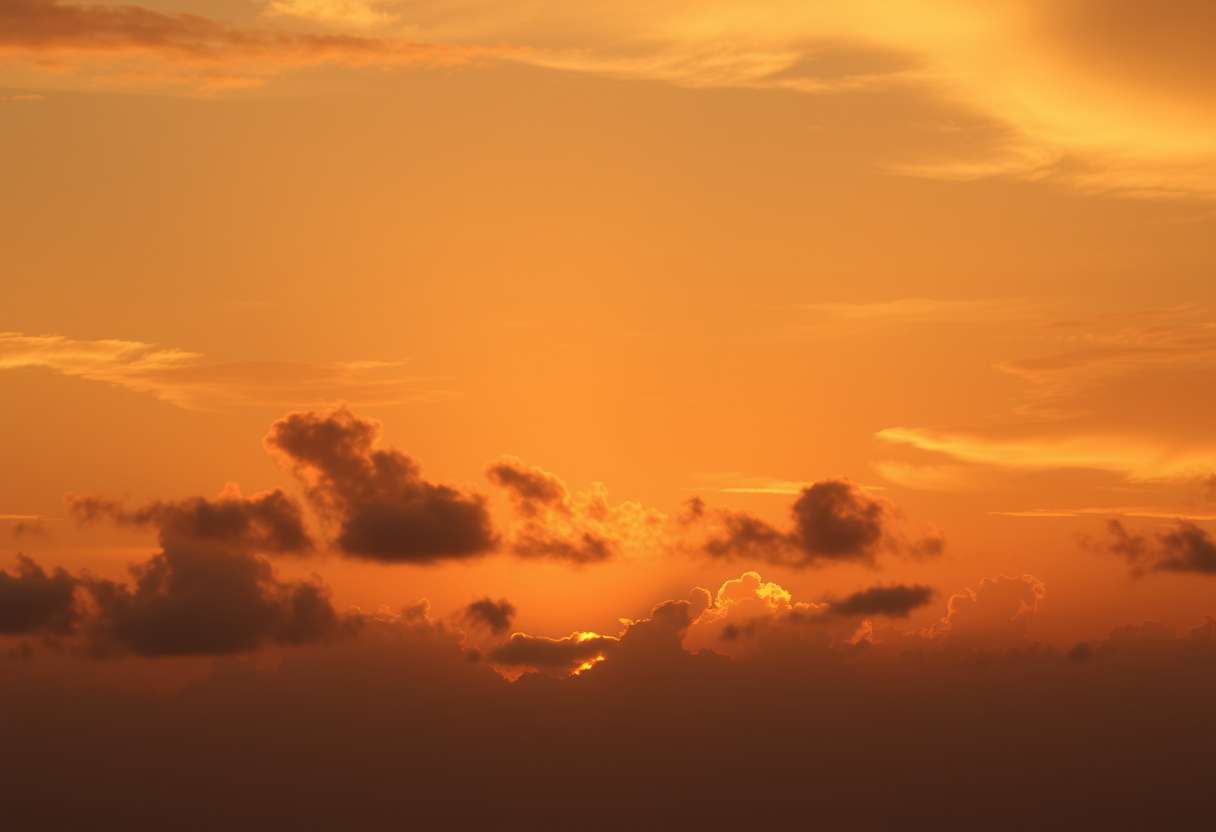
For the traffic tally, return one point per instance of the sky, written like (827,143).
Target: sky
(549,357)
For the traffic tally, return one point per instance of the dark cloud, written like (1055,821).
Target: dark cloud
(896,601)
(268,522)
(894,735)
(29,528)
(1184,548)
(532,489)
(560,656)
(31,601)
(833,521)
(383,509)
(494,615)
(193,599)
(581,529)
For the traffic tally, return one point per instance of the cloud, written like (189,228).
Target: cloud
(198,599)
(897,601)
(580,528)
(32,601)
(1137,458)
(382,507)
(109,44)
(834,521)
(1184,548)
(494,615)
(354,13)
(188,380)
(996,613)
(266,522)
(557,656)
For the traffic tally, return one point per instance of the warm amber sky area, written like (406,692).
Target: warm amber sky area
(582,305)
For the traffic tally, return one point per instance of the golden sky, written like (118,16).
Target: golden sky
(566,309)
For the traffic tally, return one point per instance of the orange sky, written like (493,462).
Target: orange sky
(956,253)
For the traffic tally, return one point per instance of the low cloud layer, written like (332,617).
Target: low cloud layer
(893,728)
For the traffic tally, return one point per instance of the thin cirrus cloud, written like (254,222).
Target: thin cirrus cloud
(1135,458)
(189,380)
(111,45)
(1104,97)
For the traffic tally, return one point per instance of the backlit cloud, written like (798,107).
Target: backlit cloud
(382,508)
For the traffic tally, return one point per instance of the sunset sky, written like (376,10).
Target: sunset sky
(553,313)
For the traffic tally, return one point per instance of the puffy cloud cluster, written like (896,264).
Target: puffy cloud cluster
(376,497)
(833,521)
(580,528)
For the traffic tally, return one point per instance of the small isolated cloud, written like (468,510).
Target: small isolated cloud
(382,508)
(895,601)
(496,616)
(834,521)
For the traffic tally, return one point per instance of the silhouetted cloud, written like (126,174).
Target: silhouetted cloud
(267,522)
(1184,548)
(494,615)
(560,656)
(896,601)
(193,598)
(383,509)
(834,521)
(579,528)
(32,601)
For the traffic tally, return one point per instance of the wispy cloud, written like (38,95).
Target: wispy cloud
(1137,458)
(188,380)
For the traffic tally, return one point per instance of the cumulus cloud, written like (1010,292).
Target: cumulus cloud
(996,613)
(33,601)
(376,497)
(496,616)
(1184,548)
(193,599)
(266,522)
(557,656)
(579,528)
(834,521)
